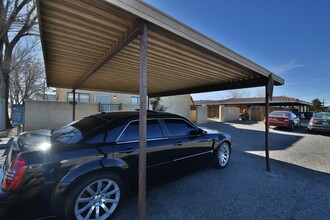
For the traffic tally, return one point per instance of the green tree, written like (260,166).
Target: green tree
(317,105)
(156,106)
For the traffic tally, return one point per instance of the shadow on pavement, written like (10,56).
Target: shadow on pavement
(240,192)
(243,190)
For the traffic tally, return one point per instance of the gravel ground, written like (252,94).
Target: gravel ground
(298,186)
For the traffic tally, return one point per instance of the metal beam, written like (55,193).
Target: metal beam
(132,34)
(74,105)
(143,123)
(244,83)
(267,129)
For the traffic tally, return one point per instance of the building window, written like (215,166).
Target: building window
(135,100)
(80,97)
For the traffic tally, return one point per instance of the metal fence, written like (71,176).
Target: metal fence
(110,107)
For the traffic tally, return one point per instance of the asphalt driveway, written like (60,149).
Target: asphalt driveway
(298,186)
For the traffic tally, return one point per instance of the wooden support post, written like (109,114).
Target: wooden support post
(143,123)
(267,130)
(74,105)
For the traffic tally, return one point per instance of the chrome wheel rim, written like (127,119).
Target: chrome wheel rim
(98,200)
(223,154)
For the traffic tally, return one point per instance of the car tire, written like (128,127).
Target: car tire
(101,191)
(222,155)
(292,126)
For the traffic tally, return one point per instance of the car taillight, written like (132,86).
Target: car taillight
(313,121)
(286,119)
(15,173)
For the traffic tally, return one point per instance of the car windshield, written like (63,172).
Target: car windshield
(75,131)
(282,114)
(322,115)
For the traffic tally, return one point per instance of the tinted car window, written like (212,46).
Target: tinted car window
(322,115)
(177,127)
(131,132)
(113,133)
(96,139)
(154,130)
(282,114)
(75,131)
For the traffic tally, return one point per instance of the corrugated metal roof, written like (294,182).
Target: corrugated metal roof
(78,36)
(255,100)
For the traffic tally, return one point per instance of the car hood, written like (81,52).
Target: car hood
(220,134)
(210,131)
(35,140)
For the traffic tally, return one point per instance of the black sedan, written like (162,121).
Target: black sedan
(86,169)
(320,122)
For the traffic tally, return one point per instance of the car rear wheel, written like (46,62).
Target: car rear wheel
(95,197)
(292,126)
(222,155)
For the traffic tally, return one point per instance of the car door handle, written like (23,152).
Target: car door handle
(126,151)
(178,144)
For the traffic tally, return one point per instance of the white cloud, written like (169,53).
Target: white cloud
(287,67)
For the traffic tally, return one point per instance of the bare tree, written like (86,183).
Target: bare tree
(260,92)
(27,75)
(238,94)
(17,20)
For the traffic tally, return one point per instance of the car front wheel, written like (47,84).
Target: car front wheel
(222,155)
(95,197)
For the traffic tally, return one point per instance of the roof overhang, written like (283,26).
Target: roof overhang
(289,102)
(94,45)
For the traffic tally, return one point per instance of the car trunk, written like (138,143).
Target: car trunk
(320,122)
(16,165)
(278,119)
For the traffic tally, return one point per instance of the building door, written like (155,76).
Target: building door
(104,101)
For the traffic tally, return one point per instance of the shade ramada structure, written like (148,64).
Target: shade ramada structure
(131,47)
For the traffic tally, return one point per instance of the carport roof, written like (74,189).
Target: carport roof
(283,100)
(94,45)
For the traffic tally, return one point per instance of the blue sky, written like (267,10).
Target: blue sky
(288,37)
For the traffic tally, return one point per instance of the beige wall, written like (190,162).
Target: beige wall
(52,115)
(175,104)
(179,105)
(115,98)
(194,116)
(201,114)
(228,113)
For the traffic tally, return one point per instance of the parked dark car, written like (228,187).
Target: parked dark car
(285,119)
(320,122)
(85,169)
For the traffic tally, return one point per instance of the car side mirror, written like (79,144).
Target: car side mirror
(201,131)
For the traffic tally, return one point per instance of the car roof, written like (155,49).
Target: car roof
(322,113)
(316,114)
(109,116)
